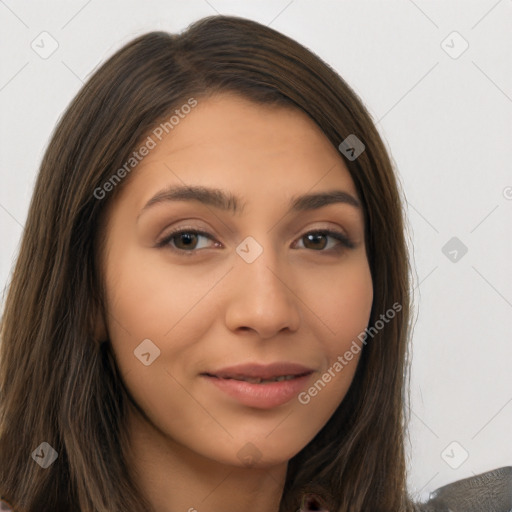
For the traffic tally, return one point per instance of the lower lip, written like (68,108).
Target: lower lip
(262,396)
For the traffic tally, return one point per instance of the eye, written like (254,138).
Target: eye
(185,240)
(316,240)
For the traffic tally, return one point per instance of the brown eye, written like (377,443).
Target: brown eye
(184,240)
(317,240)
(189,240)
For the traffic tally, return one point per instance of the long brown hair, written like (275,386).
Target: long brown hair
(59,385)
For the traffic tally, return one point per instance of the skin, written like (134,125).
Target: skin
(297,302)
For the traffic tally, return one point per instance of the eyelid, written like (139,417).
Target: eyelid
(333,233)
(344,240)
(183,229)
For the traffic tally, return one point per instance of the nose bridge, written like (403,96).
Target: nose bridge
(259,264)
(264,301)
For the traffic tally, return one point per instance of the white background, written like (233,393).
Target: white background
(447,123)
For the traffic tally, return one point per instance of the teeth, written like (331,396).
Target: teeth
(258,380)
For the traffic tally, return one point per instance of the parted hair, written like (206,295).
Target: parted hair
(59,385)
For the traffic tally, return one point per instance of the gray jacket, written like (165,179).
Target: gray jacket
(486,492)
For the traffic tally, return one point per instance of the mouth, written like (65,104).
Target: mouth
(260,380)
(259,386)
(258,373)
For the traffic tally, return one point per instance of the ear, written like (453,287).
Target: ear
(100,327)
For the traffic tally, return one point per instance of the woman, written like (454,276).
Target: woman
(261,370)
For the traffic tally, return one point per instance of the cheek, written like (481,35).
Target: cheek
(135,300)
(149,302)
(142,303)
(344,308)
(149,299)
(143,293)
(343,305)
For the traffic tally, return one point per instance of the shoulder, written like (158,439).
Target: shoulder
(490,492)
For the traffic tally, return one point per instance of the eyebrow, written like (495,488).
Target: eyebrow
(226,201)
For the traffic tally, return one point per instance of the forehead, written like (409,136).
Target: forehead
(231,142)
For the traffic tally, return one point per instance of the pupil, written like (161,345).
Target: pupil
(188,237)
(315,238)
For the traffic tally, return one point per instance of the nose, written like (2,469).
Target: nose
(262,298)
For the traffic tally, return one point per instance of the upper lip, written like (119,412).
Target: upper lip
(263,371)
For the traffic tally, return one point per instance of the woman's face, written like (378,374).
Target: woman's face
(254,287)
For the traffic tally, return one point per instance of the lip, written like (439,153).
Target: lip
(260,396)
(263,395)
(263,371)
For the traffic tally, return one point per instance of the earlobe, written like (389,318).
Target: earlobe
(100,328)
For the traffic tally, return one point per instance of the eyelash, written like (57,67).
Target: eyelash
(345,242)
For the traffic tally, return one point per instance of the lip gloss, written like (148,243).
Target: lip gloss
(263,395)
